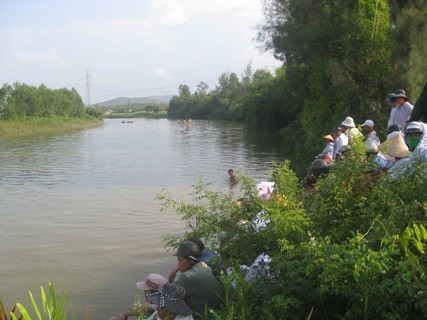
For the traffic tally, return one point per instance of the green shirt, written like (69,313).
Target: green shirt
(202,288)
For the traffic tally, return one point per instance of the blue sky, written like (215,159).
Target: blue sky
(131,48)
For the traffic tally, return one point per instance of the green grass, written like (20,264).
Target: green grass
(41,126)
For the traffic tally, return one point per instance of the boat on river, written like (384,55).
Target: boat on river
(127,121)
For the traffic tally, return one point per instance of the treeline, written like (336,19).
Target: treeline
(340,58)
(253,97)
(21,101)
(135,110)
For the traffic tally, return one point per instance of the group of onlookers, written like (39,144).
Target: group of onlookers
(406,142)
(197,289)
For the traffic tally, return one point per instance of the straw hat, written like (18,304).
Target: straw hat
(398,148)
(328,137)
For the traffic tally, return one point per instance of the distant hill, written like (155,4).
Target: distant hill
(122,101)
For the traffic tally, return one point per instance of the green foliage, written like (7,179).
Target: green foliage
(140,315)
(408,66)
(353,249)
(21,101)
(53,309)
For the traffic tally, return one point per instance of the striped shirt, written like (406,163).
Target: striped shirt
(400,114)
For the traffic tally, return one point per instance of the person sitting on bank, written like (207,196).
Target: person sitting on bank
(416,140)
(207,256)
(170,303)
(328,151)
(340,140)
(368,128)
(202,289)
(152,284)
(377,159)
(349,129)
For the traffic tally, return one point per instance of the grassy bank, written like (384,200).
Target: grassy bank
(40,126)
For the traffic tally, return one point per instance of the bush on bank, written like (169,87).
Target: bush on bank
(353,249)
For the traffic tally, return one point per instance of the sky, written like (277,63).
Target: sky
(128,48)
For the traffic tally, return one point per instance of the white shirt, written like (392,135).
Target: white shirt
(390,120)
(328,150)
(401,114)
(373,136)
(340,141)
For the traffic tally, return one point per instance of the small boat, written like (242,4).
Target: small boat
(127,121)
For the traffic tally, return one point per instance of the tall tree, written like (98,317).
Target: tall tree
(409,36)
(337,56)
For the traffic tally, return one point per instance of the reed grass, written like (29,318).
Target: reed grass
(42,126)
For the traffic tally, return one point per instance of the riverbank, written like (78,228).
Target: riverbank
(41,126)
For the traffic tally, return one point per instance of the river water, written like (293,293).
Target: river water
(79,209)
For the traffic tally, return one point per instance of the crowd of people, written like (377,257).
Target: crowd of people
(405,146)
(197,289)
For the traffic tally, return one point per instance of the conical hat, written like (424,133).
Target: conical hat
(398,148)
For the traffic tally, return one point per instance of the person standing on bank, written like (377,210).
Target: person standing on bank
(403,110)
(392,104)
(202,289)
(368,127)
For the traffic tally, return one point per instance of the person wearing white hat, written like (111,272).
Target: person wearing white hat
(349,129)
(378,161)
(368,127)
(416,139)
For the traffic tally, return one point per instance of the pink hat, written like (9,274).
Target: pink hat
(153,281)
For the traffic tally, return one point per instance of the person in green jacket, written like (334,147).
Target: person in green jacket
(202,289)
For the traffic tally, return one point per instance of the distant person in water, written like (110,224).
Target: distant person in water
(233,178)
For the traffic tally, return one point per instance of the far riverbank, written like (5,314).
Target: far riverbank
(40,126)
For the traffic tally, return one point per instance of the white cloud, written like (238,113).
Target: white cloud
(170,12)
(173,12)
(162,73)
(149,48)
(49,58)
